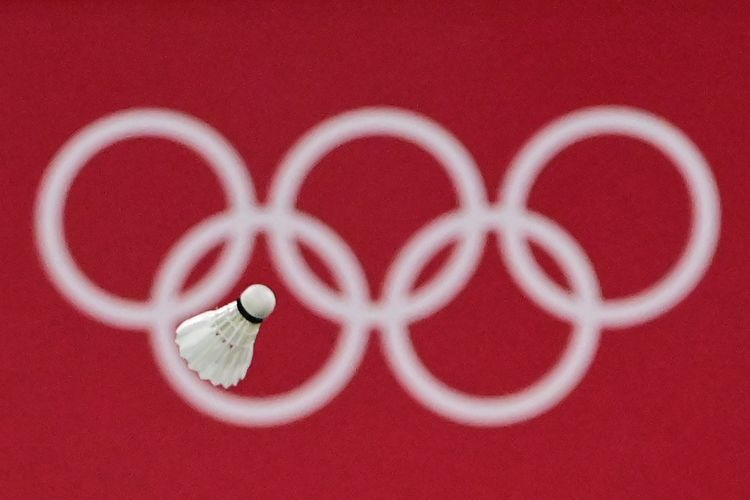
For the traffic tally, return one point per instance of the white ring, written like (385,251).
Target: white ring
(245,410)
(692,264)
(541,395)
(71,158)
(367,122)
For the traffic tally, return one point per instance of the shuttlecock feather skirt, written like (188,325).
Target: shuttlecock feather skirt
(218,345)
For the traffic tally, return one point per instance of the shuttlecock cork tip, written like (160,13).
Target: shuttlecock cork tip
(258,301)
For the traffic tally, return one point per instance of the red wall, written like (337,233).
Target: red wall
(95,405)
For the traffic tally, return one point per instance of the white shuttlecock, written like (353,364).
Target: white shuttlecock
(219,344)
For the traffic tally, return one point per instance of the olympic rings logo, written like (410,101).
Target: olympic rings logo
(398,306)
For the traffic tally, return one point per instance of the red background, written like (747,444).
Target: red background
(660,414)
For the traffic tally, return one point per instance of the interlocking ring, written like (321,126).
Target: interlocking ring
(398,305)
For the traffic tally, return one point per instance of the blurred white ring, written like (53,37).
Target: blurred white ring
(246,410)
(675,145)
(72,157)
(550,388)
(368,122)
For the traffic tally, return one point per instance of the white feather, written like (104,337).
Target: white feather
(218,345)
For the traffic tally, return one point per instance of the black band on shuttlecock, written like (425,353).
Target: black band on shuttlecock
(247,315)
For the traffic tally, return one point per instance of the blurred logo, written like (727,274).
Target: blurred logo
(353,308)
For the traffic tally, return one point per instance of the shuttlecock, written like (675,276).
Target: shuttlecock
(219,344)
